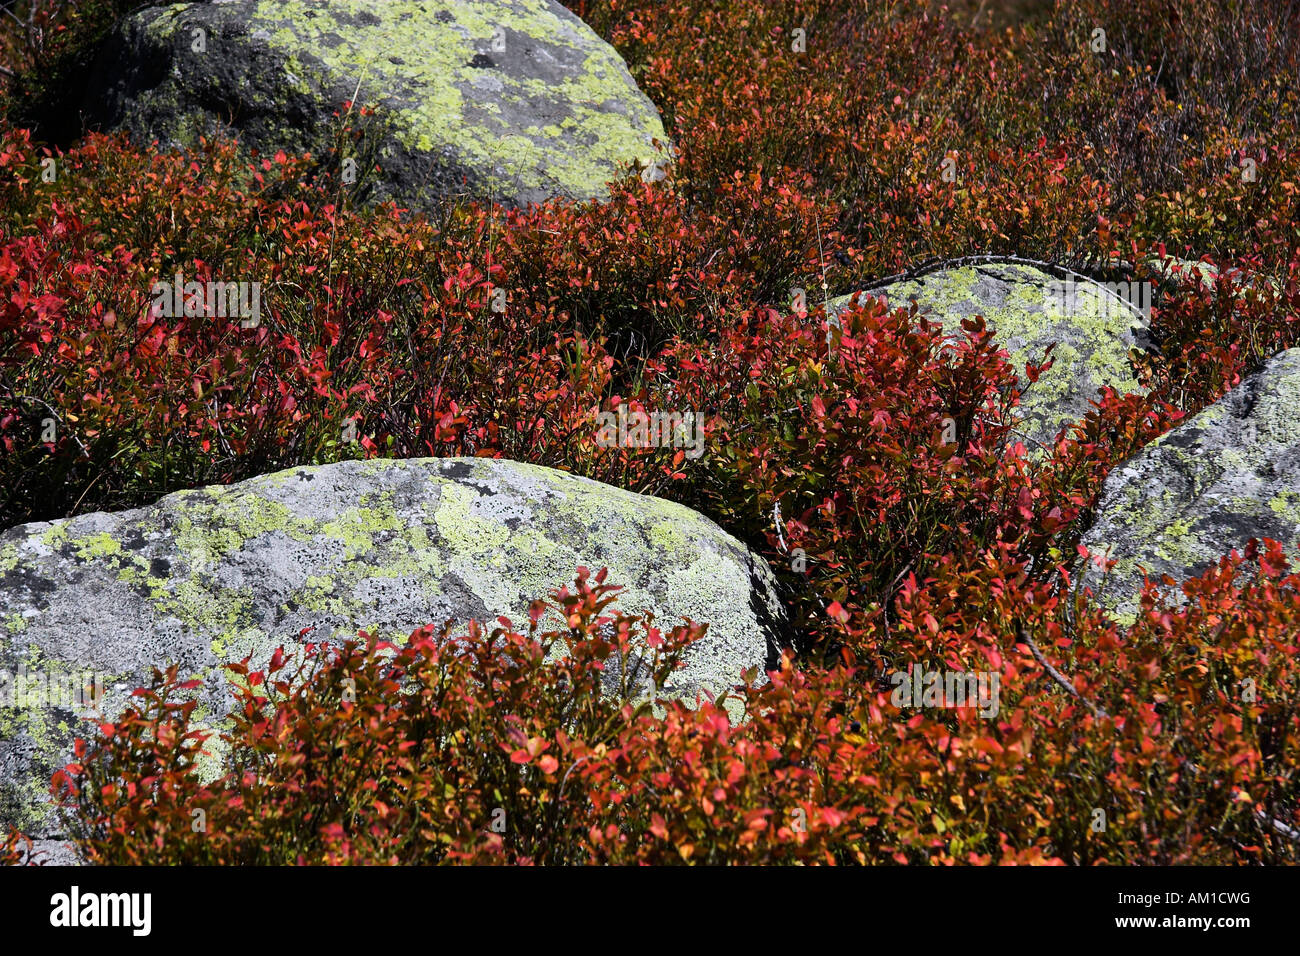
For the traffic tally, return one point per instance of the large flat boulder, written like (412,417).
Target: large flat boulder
(1092,328)
(1226,475)
(512,100)
(205,577)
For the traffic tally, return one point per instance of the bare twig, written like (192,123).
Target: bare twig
(1058,676)
(776,522)
(1283,829)
(1290,832)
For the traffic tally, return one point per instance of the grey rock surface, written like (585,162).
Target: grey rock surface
(1228,474)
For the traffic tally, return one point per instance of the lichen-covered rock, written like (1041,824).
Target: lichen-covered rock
(1029,309)
(205,577)
(513,100)
(1224,476)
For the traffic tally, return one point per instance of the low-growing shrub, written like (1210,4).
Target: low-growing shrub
(1172,743)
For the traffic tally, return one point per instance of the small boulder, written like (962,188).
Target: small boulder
(1092,328)
(1226,475)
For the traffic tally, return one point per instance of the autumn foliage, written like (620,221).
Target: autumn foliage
(817,171)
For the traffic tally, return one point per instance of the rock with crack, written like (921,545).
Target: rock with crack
(1228,474)
(510,100)
(206,577)
(1092,328)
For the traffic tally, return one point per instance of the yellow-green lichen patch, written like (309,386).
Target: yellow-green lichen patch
(210,764)
(8,557)
(1286,505)
(44,731)
(357,527)
(208,532)
(56,535)
(164,25)
(24,799)
(1176,545)
(95,546)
